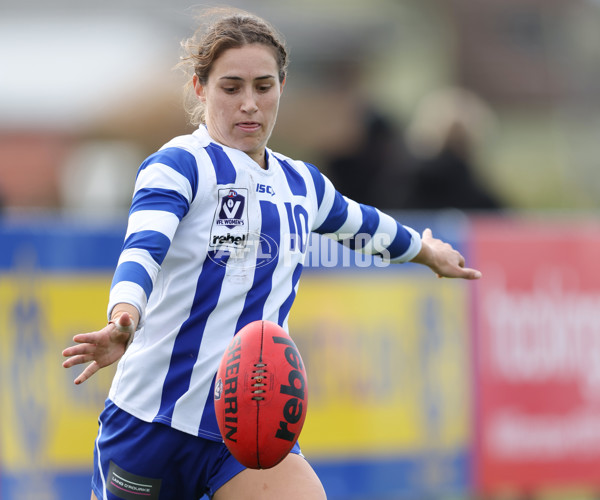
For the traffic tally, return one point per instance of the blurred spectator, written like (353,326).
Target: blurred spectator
(376,170)
(443,137)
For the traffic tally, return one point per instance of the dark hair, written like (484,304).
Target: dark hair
(225,29)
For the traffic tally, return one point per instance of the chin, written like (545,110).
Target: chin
(252,147)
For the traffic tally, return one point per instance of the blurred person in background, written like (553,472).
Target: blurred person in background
(188,279)
(382,148)
(442,138)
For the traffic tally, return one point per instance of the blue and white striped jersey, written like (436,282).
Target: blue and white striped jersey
(214,242)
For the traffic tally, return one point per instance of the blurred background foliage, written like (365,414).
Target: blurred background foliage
(88,89)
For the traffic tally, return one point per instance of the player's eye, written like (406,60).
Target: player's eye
(230,90)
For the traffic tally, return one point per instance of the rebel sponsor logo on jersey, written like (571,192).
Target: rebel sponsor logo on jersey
(245,251)
(230,224)
(239,241)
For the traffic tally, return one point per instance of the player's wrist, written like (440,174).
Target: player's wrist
(124,333)
(425,255)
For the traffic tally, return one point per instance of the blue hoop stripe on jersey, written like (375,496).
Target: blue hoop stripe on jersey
(294,179)
(178,159)
(134,272)
(160,199)
(208,422)
(318,181)
(367,229)
(263,273)
(284,310)
(291,224)
(400,242)
(337,216)
(155,243)
(224,169)
(188,340)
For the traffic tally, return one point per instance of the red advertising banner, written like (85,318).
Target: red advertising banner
(537,353)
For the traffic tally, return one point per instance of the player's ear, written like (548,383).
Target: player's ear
(281,86)
(199,88)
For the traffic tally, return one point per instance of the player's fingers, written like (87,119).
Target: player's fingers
(427,234)
(472,274)
(456,271)
(79,349)
(77,360)
(469,274)
(87,338)
(87,373)
(69,351)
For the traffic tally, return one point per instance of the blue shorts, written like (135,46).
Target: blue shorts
(134,460)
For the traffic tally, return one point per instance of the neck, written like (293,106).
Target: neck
(260,158)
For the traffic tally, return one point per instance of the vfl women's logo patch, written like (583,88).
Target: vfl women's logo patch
(232,208)
(230,225)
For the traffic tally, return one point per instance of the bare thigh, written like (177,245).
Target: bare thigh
(94,497)
(292,479)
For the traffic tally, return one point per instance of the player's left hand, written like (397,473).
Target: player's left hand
(102,348)
(442,259)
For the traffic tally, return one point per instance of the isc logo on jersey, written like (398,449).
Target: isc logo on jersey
(230,225)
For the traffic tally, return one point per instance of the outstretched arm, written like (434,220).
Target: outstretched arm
(442,259)
(105,346)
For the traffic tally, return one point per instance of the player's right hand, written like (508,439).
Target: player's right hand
(101,348)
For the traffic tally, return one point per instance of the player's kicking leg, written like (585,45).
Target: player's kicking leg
(292,479)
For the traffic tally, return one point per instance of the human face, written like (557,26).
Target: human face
(241,98)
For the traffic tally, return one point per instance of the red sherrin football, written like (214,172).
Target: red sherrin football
(260,395)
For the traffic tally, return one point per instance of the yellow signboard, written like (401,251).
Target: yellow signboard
(386,355)
(387,363)
(47,422)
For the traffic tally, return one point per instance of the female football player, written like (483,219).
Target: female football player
(216,238)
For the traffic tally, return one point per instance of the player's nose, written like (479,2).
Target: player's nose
(249,103)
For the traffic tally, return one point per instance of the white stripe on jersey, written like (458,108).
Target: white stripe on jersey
(130,293)
(386,230)
(153,220)
(142,257)
(326,203)
(159,176)
(352,224)
(213,243)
